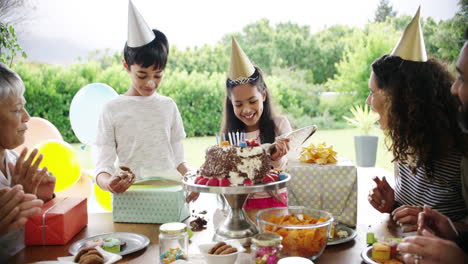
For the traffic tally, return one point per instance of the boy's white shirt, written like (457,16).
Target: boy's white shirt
(144,133)
(282,126)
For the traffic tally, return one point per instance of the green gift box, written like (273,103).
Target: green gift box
(150,204)
(331,187)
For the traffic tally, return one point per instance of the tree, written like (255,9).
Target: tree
(9,46)
(353,71)
(9,16)
(448,39)
(384,10)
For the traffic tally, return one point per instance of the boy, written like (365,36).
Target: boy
(140,131)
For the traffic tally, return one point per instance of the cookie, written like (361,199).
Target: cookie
(221,249)
(91,259)
(82,252)
(89,255)
(215,247)
(228,251)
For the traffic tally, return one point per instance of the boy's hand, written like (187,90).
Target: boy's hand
(26,173)
(192,197)
(281,148)
(121,182)
(382,197)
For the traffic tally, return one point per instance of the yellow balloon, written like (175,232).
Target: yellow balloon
(103,198)
(62,161)
(82,188)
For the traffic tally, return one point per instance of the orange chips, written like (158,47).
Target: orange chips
(320,154)
(306,242)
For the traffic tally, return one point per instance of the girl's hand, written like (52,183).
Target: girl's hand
(120,182)
(382,197)
(26,173)
(281,148)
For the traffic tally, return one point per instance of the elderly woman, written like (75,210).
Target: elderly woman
(21,201)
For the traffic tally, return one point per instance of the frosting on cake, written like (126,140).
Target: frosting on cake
(236,164)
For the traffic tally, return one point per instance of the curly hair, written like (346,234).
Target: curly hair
(421,112)
(266,123)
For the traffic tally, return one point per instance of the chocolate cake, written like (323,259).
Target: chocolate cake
(232,165)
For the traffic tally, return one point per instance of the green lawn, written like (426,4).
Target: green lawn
(341,139)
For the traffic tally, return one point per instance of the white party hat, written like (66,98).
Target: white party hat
(139,33)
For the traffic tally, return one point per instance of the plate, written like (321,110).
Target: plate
(366,256)
(134,242)
(351,235)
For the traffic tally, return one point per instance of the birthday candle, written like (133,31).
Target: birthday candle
(230,139)
(224,137)
(237,138)
(234,138)
(217,140)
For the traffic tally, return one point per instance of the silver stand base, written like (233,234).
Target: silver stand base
(236,225)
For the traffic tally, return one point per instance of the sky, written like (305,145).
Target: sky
(57,31)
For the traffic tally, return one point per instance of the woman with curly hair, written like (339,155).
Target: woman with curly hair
(419,115)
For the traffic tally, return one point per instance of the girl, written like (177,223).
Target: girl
(248,108)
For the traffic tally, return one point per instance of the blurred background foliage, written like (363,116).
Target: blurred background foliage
(313,77)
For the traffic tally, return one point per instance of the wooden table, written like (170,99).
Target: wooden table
(369,220)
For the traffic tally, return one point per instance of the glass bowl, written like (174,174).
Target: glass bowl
(304,230)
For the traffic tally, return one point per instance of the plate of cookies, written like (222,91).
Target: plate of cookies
(224,252)
(95,255)
(120,243)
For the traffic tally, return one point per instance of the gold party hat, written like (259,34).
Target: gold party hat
(139,33)
(241,67)
(411,44)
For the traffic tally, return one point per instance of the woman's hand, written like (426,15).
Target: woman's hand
(429,249)
(281,148)
(26,173)
(120,182)
(382,196)
(407,215)
(16,207)
(45,190)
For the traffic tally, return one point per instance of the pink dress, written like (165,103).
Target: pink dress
(264,199)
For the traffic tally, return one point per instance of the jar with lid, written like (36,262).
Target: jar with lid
(173,242)
(266,248)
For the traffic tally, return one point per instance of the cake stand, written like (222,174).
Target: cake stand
(236,225)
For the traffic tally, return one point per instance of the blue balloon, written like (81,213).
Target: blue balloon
(85,109)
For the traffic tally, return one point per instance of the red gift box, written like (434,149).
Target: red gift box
(59,221)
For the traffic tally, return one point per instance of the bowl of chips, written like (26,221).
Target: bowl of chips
(304,230)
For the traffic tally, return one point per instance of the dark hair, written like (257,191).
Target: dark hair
(266,123)
(422,114)
(154,53)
